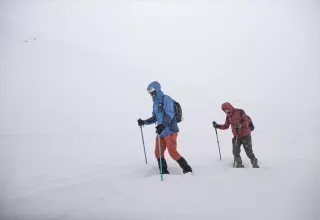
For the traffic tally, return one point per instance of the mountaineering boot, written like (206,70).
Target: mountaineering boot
(164,166)
(239,165)
(184,165)
(254,163)
(238,162)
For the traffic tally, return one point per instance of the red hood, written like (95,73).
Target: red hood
(227,106)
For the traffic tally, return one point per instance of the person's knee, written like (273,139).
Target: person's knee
(174,155)
(156,153)
(172,146)
(173,152)
(249,151)
(236,151)
(247,147)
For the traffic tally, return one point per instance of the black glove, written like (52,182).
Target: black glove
(215,125)
(159,128)
(140,122)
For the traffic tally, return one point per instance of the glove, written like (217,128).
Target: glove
(159,128)
(215,125)
(140,122)
(238,125)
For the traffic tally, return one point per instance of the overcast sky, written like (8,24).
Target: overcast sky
(86,65)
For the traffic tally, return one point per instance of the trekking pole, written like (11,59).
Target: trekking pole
(159,146)
(235,149)
(234,152)
(145,156)
(218,142)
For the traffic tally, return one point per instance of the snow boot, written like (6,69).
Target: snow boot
(184,165)
(238,161)
(164,166)
(239,165)
(254,163)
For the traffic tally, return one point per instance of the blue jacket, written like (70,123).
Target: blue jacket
(163,113)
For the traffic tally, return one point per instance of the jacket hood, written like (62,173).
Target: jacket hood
(227,106)
(156,85)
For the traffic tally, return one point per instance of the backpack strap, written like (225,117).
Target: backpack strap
(241,113)
(162,102)
(162,99)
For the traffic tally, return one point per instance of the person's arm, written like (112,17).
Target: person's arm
(225,126)
(151,120)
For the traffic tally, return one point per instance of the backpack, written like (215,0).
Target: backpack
(251,126)
(177,110)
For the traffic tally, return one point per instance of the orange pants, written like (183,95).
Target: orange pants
(170,142)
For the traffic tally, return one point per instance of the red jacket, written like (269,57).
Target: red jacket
(233,118)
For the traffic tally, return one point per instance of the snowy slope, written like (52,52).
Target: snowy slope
(69,187)
(73,78)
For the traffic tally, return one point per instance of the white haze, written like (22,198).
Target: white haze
(73,79)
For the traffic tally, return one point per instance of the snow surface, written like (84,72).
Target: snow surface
(73,78)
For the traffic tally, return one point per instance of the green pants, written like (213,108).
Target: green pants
(246,141)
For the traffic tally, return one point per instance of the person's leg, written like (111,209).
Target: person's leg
(236,145)
(247,144)
(156,151)
(171,141)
